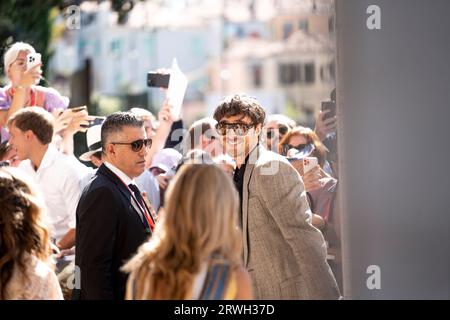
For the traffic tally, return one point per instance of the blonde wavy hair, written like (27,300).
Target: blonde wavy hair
(22,230)
(199,220)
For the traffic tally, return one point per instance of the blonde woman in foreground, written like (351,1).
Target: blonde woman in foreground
(195,252)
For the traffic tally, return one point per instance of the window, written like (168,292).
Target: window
(331,24)
(116,48)
(257,76)
(303,25)
(289,73)
(287,30)
(327,72)
(310,75)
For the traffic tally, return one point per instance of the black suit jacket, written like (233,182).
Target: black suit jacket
(109,230)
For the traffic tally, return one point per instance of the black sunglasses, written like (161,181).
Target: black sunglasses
(239,129)
(300,147)
(137,145)
(281,129)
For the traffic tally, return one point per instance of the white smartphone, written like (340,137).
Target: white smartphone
(309,163)
(33,59)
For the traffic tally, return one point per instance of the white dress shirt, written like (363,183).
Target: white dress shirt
(126,179)
(145,182)
(58,180)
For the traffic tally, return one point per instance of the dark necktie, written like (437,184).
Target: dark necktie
(140,199)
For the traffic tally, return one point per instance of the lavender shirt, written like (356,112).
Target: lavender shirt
(52,101)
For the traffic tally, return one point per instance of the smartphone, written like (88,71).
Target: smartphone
(33,59)
(329,106)
(309,163)
(78,109)
(96,121)
(158,80)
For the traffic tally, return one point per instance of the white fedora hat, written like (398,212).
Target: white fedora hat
(94,142)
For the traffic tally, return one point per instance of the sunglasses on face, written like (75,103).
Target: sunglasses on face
(137,145)
(299,147)
(239,129)
(281,129)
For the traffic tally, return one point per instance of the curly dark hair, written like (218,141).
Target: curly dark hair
(240,104)
(21,229)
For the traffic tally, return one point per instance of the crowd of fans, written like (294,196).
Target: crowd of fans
(222,210)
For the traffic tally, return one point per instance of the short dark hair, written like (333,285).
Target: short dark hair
(115,123)
(240,104)
(98,155)
(36,119)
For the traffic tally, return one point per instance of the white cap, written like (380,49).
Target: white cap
(12,53)
(166,159)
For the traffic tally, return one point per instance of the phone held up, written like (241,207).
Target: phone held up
(33,59)
(158,80)
(329,106)
(304,165)
(96,121)
(78,109)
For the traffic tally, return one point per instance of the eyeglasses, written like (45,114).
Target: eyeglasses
(300,147)
(137,145)
(281,129)
(239,129)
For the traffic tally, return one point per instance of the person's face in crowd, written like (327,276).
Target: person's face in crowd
(131,162)
(275,132)
(157,171)
(210,142)
(20,142)
(295,144)
(149,129)
(11,157)
(18,67)
(241,136)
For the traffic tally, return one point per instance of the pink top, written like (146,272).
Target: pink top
(52,100)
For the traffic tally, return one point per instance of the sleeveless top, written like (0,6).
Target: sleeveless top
(215,281)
